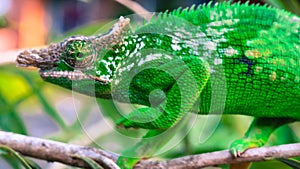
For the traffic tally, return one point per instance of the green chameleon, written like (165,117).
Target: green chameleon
(176,58)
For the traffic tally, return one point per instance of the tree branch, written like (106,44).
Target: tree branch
(224,157)
(56,151)
(65,153)
(136,8)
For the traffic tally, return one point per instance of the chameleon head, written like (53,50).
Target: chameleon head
(76,59)
(67,58)
(65,63)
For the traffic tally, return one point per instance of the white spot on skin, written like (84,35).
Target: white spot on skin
(214,32)
(213,15)
(178,34)
(258,69)
(229,13)
(105,77)
(175,40)
(175,47)
(151,57)
(142,45)
(220,40)
(127,53)
(116,81)
(295,19)
(107,66)
(169,57)
(218,61)
(227,22)
(230,51)
(273,76)
(210,45)
(130,66)
(98,72)
(200,35)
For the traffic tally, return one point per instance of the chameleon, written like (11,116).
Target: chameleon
(174,59)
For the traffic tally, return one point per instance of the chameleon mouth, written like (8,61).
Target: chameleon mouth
(45,59)
(70,75)
(64,74)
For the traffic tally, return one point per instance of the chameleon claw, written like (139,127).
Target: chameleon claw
(238,147)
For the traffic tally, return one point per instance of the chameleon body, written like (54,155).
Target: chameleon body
(253,50)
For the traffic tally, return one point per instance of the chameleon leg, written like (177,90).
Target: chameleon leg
(180,98)
(257,134)
(132,155)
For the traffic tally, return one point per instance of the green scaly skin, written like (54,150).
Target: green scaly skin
(254,50)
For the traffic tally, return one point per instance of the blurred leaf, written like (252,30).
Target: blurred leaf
(290,162)
(12,85)
(10,119)
(48,108)
(33,164)
(291,5)
(16,155)
(3,22)
(274,164)
(93,164)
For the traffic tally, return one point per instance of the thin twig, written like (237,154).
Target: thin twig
(224,157)
(56,151)
(64,153)
(136,8)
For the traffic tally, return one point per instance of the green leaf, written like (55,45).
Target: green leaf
(295,164)
(10,120)
(93,164)
(44,102)
(33,164)
(3,22)
(16,155)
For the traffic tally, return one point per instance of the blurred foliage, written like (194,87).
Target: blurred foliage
(295,164)
(290,5)
(16,160)
(93,164)
(84,30)
(21,91)
(3,22)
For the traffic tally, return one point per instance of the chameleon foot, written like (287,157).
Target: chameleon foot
(257,134)
(238,147)
(126,163)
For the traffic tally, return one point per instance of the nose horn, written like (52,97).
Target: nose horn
(39,58)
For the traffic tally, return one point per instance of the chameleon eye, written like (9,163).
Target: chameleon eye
(78,52)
